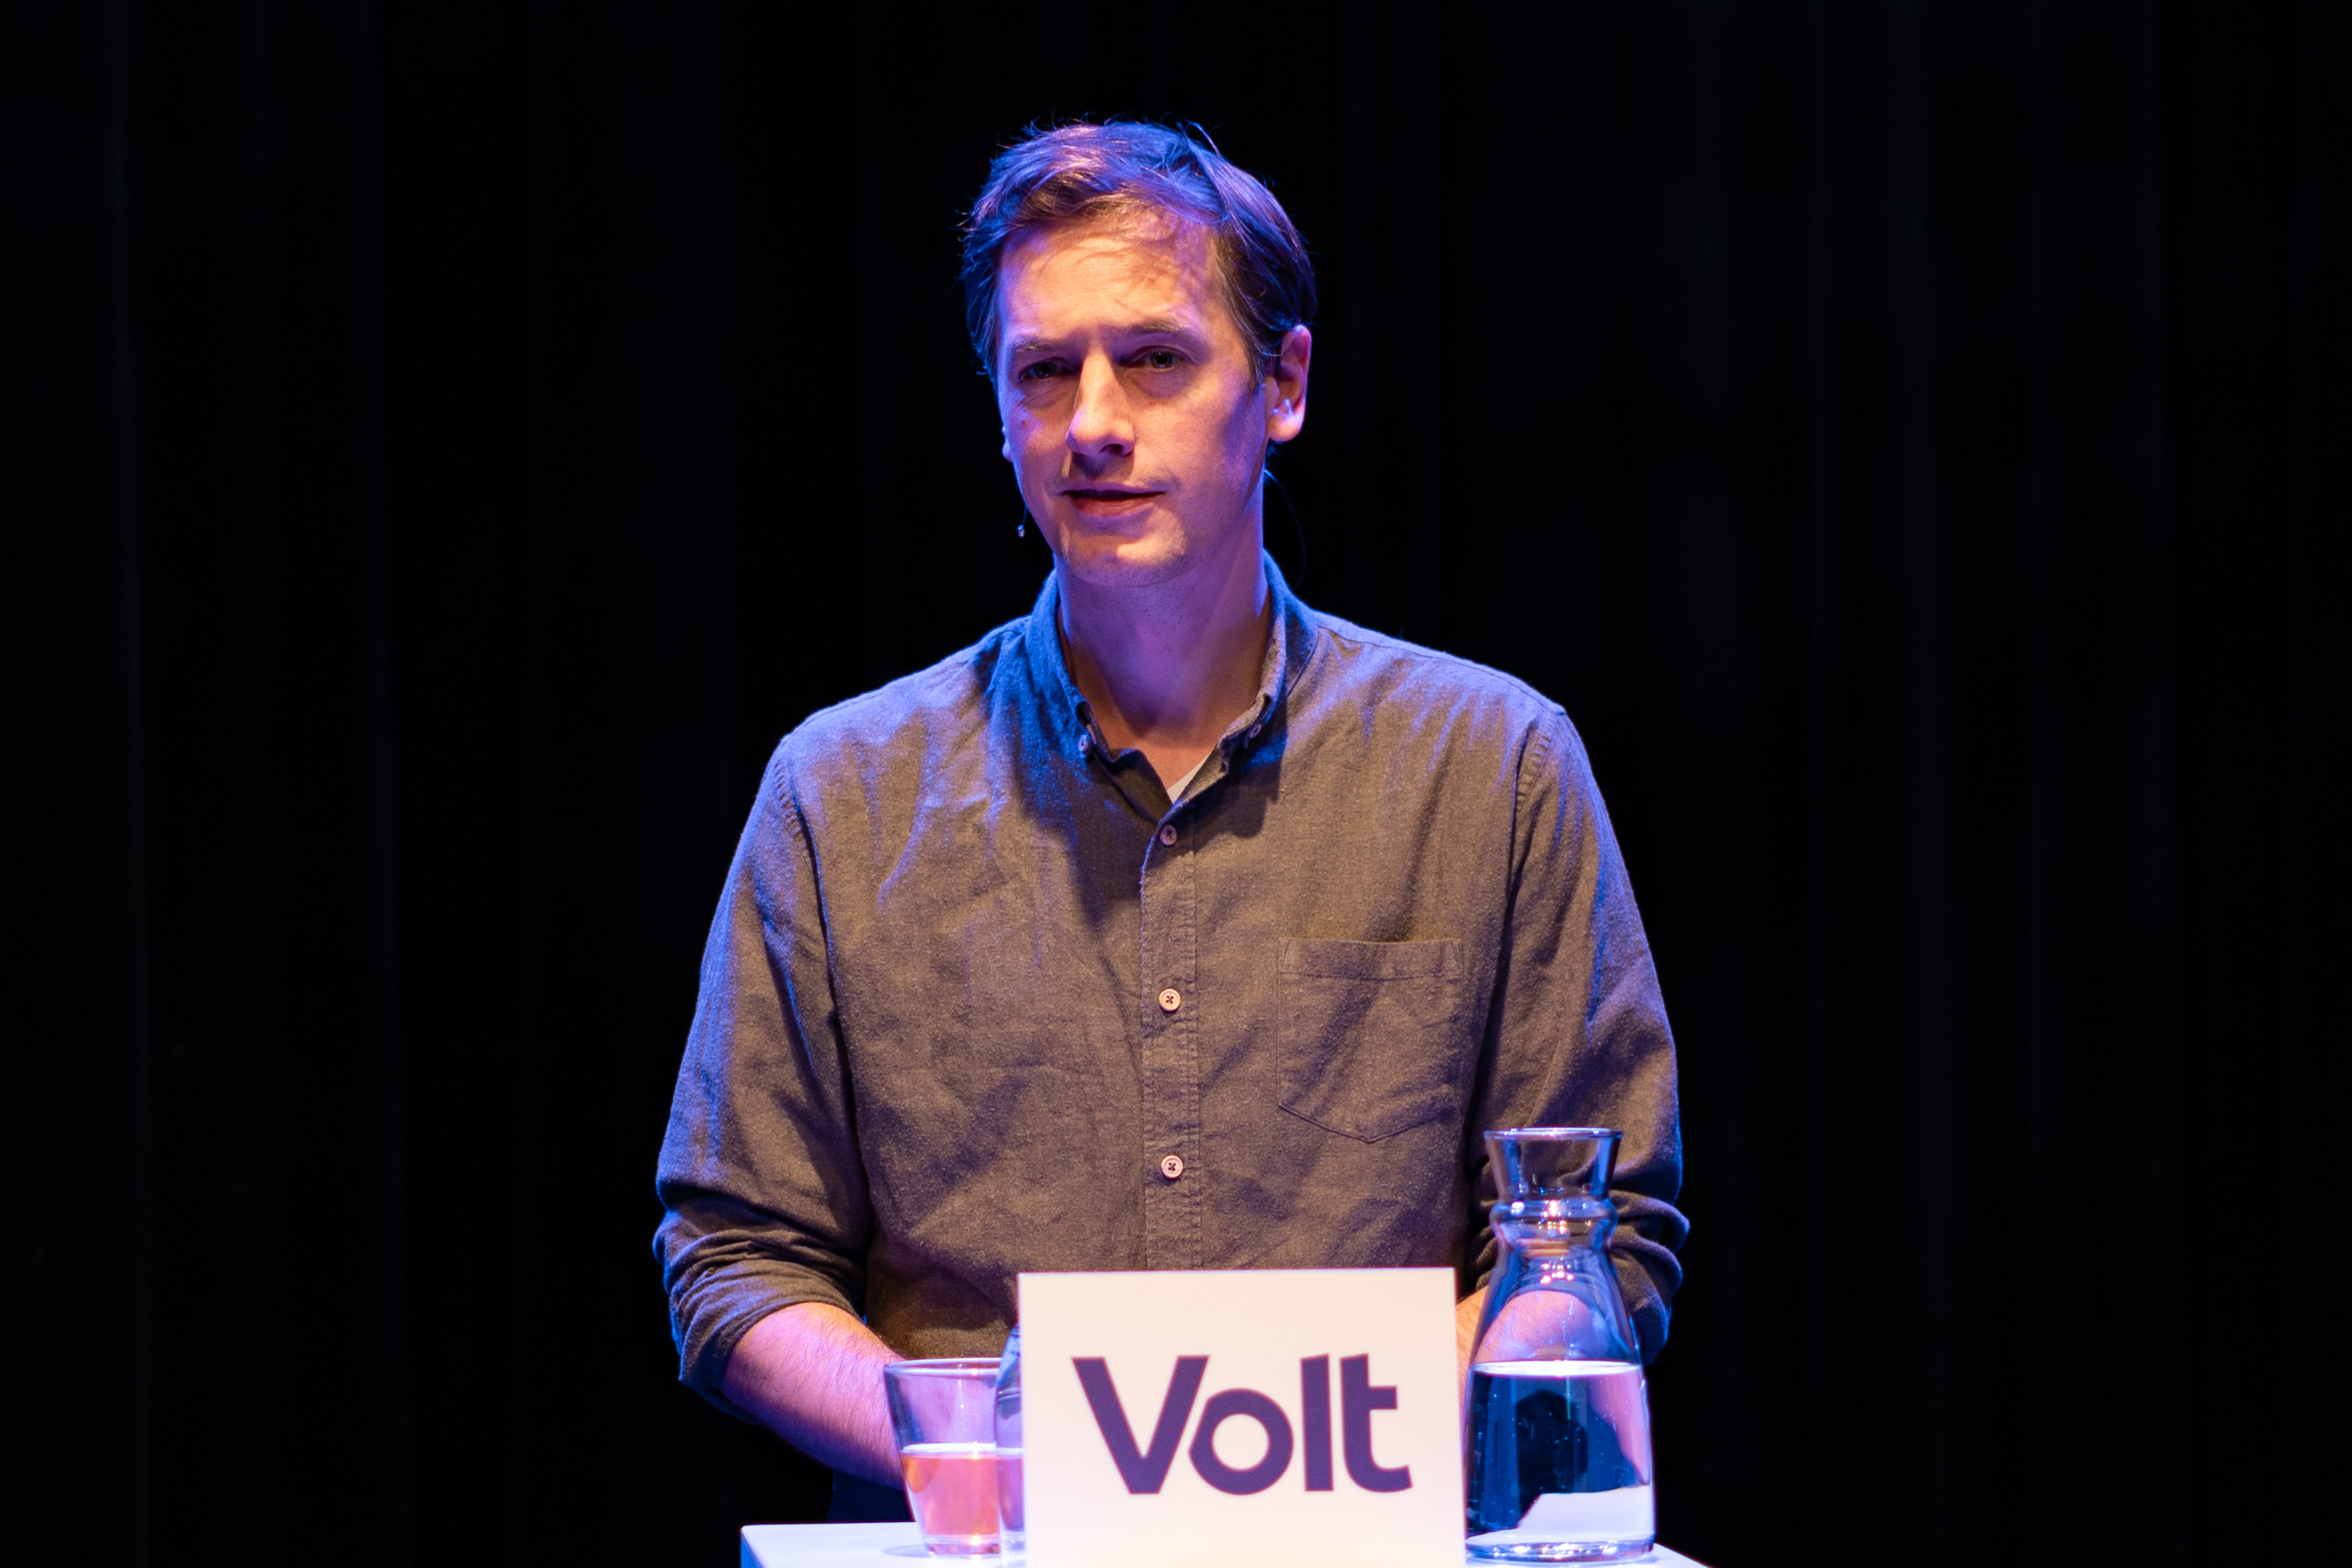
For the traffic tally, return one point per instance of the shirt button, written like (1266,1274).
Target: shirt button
(1172,1167)
(1167,835)
(1254,729)
(1169,1000)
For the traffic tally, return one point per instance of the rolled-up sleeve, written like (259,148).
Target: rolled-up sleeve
(1576,1034)
(760,1169)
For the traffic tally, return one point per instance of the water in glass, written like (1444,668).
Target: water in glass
(1010,1508)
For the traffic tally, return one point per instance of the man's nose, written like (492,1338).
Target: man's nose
(1099,423)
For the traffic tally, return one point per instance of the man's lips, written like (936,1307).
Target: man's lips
(1106,499)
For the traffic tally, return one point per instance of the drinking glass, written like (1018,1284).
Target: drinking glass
(943,1413)
(1011,1501)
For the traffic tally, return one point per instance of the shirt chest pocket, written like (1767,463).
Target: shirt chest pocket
(1372,1030)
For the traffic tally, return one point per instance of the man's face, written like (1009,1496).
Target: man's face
(1134,415)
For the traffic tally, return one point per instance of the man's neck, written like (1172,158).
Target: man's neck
(1167,668)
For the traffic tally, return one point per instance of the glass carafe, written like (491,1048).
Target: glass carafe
(1558,1424)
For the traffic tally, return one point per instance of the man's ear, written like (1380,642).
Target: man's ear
(1286,412)
(1003,425)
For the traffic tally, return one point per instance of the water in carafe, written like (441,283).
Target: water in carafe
(1558,1420)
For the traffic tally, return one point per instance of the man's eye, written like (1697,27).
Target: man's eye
(1043,370)
(1161,358)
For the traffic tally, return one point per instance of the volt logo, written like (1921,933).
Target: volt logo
(1145,1468)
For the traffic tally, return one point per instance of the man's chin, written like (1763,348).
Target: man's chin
(1116,563)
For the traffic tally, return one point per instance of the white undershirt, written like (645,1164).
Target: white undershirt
(1176,791)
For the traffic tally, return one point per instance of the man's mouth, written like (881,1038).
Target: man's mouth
(1102,498)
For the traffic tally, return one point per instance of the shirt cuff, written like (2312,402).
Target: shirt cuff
(718,1314)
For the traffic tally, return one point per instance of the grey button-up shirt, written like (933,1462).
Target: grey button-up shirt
(981,998)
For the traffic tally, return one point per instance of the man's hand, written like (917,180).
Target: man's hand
(814,1374)
(1465,1334)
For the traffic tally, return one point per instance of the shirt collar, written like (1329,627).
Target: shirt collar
(1290,642)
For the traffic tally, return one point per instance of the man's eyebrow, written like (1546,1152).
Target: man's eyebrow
(1157,327)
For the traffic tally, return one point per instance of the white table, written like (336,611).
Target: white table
(894,1545)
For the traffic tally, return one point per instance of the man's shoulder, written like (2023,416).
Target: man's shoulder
(1455,716)
(1357,663)
(918,716)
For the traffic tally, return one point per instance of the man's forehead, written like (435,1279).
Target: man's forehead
(1155,268)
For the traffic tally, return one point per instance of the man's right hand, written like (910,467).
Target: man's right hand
(814,1374)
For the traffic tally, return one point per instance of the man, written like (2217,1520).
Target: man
(1174,927)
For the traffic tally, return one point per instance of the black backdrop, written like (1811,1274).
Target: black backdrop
(450,441)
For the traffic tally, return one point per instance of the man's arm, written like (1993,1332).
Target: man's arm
(813,1374)
(1578,1036)
(760,1170)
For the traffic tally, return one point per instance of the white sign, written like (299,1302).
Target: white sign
(1240,1417)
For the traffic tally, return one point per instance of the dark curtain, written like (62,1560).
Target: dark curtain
(449,443)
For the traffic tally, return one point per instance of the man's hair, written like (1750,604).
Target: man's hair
(1082,172)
